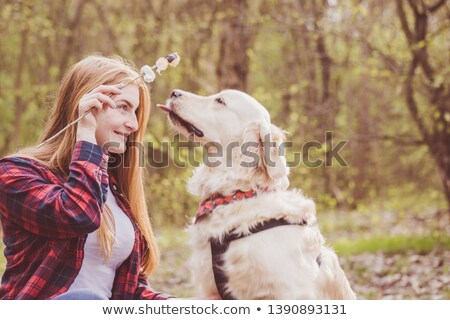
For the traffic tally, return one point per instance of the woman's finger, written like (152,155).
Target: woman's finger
(105,99)
(107,89)
(89,104)
(87,109)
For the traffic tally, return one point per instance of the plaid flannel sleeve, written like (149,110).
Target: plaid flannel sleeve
(30,199)
(144,292)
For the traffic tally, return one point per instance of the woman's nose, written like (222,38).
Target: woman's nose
(132,124)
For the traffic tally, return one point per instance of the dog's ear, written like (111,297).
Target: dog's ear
(262,143)
(274,160)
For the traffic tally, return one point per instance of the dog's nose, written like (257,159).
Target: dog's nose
(175,94)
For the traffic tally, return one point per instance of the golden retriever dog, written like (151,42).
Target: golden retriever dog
(252,237)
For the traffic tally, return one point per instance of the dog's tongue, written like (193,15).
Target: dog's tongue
(164,107)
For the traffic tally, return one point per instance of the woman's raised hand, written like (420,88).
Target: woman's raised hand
(94,100)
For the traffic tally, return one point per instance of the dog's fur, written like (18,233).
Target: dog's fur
(279,263)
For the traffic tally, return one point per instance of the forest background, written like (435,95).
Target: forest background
(374,73)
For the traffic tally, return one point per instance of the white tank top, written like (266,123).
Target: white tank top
(95,273)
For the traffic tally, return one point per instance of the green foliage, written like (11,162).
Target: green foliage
(391,182)
(365,105)
(395,244)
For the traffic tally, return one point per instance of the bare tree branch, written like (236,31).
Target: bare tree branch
(404,22)
(389,61)
(417,40)
(400,140)
(434,7)
(414,6)
(411,102)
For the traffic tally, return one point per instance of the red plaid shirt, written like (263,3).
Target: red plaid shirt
(46,219)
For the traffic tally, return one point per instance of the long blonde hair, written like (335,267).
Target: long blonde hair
(56,154)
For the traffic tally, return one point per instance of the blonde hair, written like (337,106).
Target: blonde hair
(56,154)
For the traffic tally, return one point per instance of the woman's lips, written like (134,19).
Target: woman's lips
(123,135)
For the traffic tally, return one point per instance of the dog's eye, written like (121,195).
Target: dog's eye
(221,101)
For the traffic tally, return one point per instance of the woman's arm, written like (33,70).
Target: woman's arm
(44,208)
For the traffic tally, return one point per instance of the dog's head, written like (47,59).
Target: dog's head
(236,123)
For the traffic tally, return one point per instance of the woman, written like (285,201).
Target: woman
(73,212)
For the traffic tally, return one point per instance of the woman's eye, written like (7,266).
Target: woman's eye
(123,107)
(221,101)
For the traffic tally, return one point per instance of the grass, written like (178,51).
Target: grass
(420,244)
(169,240)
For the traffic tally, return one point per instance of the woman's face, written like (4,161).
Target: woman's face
(115,125)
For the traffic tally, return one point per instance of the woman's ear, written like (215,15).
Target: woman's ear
(262,144)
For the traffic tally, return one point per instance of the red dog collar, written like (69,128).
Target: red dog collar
(216,199)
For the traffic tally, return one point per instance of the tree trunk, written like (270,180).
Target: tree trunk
(362,148)
(232,67)
(19,103)
(434,130)
(69,44)
(327,101)
(446,183)
(441,152)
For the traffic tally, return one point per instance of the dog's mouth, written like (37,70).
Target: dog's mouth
(176,119)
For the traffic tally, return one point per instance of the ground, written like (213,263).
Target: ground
(398,256)
(388,255)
